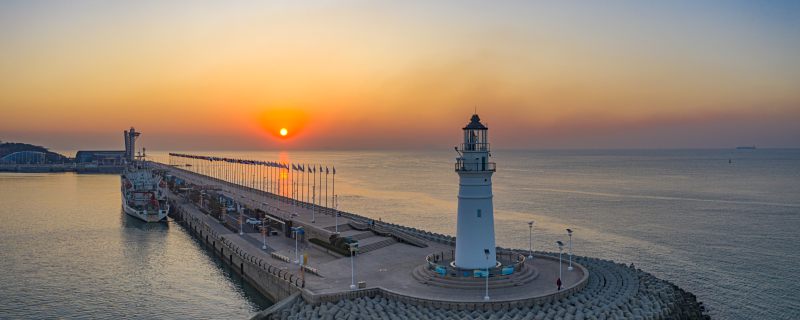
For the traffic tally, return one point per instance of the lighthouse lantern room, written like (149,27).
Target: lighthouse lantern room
(475,245)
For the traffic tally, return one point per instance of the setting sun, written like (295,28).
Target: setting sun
(284,132)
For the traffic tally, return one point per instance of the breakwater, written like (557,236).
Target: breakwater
(609,290)
(274,282)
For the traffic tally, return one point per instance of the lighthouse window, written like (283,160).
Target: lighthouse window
(479,213)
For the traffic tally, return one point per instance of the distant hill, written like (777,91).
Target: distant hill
(7,148)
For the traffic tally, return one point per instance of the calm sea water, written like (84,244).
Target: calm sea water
(69,252)
(726,231)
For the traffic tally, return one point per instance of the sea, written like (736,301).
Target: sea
(723,224)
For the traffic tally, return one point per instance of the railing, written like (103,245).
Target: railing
(439,264)
(474,147)
(475,167)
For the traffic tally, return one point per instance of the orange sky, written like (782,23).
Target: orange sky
(197,74)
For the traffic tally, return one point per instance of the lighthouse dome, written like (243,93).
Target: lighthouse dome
(475,123)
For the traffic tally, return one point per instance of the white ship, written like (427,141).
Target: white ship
(143,194)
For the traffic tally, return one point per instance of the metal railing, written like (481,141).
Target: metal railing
(511,262)
(461,166)
(474,147)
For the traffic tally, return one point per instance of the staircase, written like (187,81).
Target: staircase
(342,227)
(518,278)
(355,234)
(375,245)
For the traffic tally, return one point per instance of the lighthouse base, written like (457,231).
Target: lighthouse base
(506,264)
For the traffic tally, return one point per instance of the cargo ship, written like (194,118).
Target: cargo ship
(144,194)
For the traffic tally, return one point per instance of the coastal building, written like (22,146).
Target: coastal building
(111,157)
(475,242)
(130,143)
(100,157)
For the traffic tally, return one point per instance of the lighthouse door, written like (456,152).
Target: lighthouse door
(483,163)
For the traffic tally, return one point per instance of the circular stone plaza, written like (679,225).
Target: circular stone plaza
(406,273)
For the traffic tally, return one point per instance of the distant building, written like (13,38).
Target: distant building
(113,158)
(130,143)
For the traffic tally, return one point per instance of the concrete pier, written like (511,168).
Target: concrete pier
(398,281)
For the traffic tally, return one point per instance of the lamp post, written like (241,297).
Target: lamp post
(241,212)
(264,234)
(336,211)
(560,251)
(486,296)
(530,240)
(353,250)
(569,232)
(314,207)
(296,235)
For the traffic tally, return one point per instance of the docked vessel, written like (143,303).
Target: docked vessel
(143,194)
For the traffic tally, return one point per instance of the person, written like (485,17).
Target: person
(558,283)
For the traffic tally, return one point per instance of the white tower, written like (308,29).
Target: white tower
(475,248)
(130,144)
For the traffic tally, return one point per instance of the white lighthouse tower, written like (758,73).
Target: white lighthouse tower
(475,248)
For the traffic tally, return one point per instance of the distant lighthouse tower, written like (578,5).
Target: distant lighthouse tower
(475,248)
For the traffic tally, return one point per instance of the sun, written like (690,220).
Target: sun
(284,132)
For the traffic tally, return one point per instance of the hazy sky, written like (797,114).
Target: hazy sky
(386,74)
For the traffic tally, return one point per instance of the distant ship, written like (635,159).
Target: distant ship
(746,148)
(143,194)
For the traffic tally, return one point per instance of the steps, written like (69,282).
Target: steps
(372,246)
(342,227)
(357,235)
(521,277)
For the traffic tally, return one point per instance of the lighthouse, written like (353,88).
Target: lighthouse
(475,247)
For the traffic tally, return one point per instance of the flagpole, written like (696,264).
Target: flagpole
(287,194)
(326,187)
(273,183)
(314,187)
(286,184)
(302,184)
(308,186)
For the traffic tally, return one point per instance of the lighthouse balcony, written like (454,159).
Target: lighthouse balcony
(461,166)
(475,146)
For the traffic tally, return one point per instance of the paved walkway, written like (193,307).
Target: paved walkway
(389,267)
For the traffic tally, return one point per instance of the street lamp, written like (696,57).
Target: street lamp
(530,240)
(297,232)
(336,211)
(264,234)
(486,297)
(313,208)
(560,251)
(353,249)
(241,228)
(569,232)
